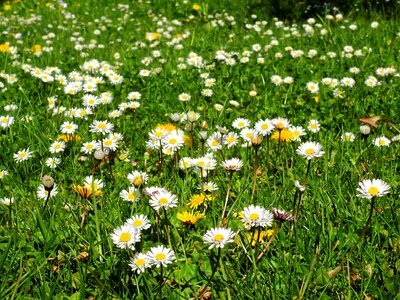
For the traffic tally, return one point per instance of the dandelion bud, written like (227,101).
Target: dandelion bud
(365,129)
(48,182)
(99,154)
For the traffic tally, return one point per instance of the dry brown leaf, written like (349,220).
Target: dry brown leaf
(370,120)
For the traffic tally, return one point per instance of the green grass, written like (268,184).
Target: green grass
(63,249)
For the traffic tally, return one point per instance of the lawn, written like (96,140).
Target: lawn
(183,150)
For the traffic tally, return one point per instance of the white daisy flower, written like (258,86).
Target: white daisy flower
(372,188)
(218,237)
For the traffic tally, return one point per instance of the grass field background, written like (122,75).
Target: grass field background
(122,102)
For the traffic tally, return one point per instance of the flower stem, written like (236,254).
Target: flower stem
(274,234)
(255,173)
(227,196)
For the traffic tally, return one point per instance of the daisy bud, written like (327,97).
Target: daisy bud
(365,129)
(99,154)
(48,182)
(203,135)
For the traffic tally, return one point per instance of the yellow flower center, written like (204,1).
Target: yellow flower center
(172,141)
(373,191)
(131,196)
(310,151)
(102,126)
(160,256)
(107,143)
(381,142)
(22,155)
(140,262)
(137,181)
(280,125)
(218,237)
(313,126)
(137,223)
(125,237)
(230,139)
(215,143)
(200,164)
(254,217)
(163,201)
(240,124)
(264,126)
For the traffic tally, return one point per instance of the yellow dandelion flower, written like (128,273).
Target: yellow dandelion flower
(260,239)
(69,138)
(187,140)
(285,135)
(196,7)
(86,192)
(167,127)
(37,49)
(189,218)
(199,199)
(7,7)
(4,47)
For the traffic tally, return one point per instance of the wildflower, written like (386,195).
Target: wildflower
(381,141)
(312,87)
(348,137)
(313,126)
(6,121)
(138,178)
(281,215)
(264,127)
(139,222)
(125,237)
(68,127)
(7,201)
(208,187)
(280,123)
(109,144)
(374,25)
(372,188)
(218,237)
(173,140)
(3,173)
(89,147)
(90,182)
(131,195)
(184,97)
(197,200)
(189,218)
(86,192)
(139,263)
(160,256)
(310,150)
(44,193)
(284,135)
(22,155)
(256,216)
(57,147)
(231,139)
(297,132)
(52,162)
(214,141)
(102,127)
(248,134)
(240,123)
(234,164)
(259,237)
(185,163)
(163,199)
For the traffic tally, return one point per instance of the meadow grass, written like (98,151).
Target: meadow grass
(152,111)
